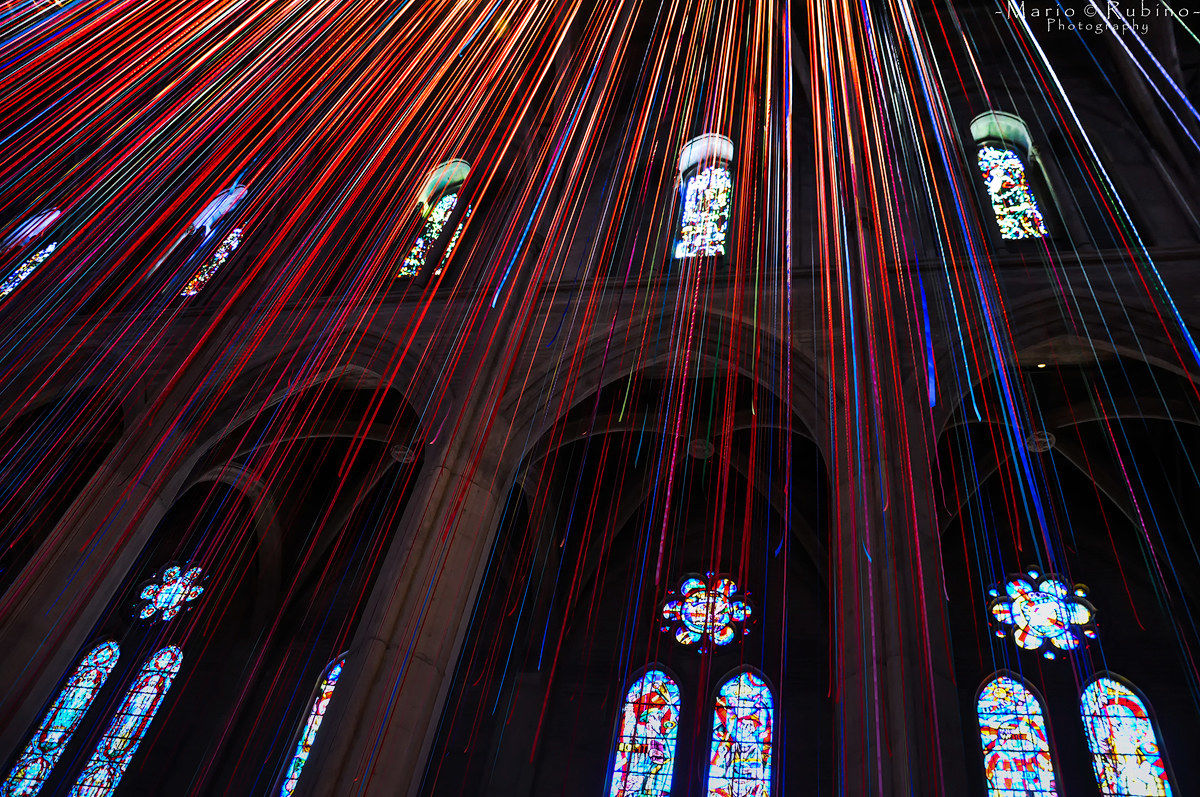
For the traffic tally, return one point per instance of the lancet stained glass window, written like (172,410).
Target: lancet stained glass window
(1126,756)
(60,722)
(27,267)
(129,725)
(435,222)
(1013,202)
(644,760)
(739,763)
(311,724)
(209,269)
(704,223)
(1016,746)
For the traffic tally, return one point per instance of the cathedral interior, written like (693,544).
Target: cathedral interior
(627,398)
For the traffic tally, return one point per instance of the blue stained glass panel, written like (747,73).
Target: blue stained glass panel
(644,761)
(1016,746)
(739,763)
(311,724)
(1126,756)
(60,722)
(129,725)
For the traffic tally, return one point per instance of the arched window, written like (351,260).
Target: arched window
(60,722)
(1003,146)
(120,741)
(209,269)
(644,759)
(206,224)
(706,185)
(27,267)
(1016,744)
(739,761)
(30,229)
(308,733)
(217,208)
(438,199)
(1126,755)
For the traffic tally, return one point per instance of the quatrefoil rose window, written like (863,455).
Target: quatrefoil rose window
(1042,612)
(170,591)
(705,609)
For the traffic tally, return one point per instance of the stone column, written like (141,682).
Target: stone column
(860,639)
(896,700)
(385,714)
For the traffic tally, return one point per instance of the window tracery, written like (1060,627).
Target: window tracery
(171,592)
(1042,612)
(705,610)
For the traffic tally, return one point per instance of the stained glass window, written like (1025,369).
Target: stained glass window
(129,725)
(705,219)
(209,269)
(701,610)
(435,222)
(27,267)
(739,763)
(1042,612)
(60,722)
(453,242)
(312,723)
(644,761)
(171,591)
(1126,756)
(1012,199)
(1016,745)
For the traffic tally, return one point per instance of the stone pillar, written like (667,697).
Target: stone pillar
(386,712)
(859,621)
(934,723)
(896,700)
